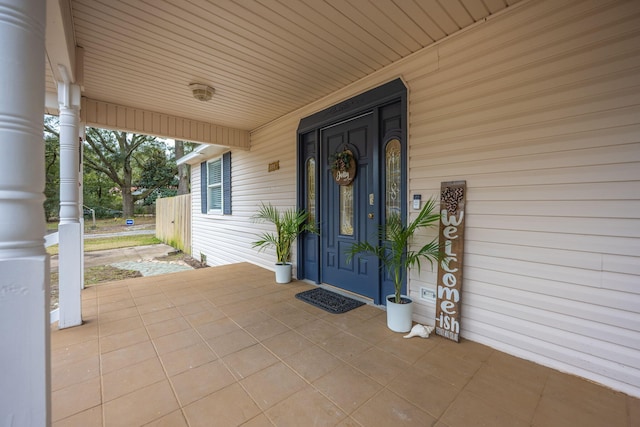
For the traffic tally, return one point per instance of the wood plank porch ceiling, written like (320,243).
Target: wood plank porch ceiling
(264,58)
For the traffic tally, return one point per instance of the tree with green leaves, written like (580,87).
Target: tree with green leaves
(136,163)
(52,167)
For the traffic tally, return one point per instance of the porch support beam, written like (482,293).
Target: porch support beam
(24,265)
(106,115)
(71,274)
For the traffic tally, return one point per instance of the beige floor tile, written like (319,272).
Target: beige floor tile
(167,327)
(347,387)
(427,392)
(380,365)
(633,411)
(123,339)
(231,342)
(195,307)
(444,364)
(575,401)
(115,306)
(180,297)
(141,406)
(230,406)
(172,342)
(306,407)
(75,399)
(466,350)
(388,409)
(349,422)
(152,317)
(252,317)
(120,326)
(374,334)
(174,419)
(250,360)
(493,386)
(127,356)
(217,328)
(345,346)
(74,372)
(131,378)
(123,296)
(287,344)
(259,421)
(528,374)
(468,409)
(295,317)
(313,363)
(317,331)
(345,321)
(74,352)
(361,373)
(61,338)
(91,417)
(139,290)
(196,383)
(156,297)
(409,350)
(202,317)
(272,384)
(155,306)
(187,358)
(123,313)
(266,328)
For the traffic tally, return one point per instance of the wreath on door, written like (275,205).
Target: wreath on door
(343,167)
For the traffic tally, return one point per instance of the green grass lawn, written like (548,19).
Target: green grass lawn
(106,225)
(116,242)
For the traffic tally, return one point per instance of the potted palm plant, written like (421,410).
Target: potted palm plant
(396,254)
(289,225)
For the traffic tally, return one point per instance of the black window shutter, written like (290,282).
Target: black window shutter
(203,187)
(226,182)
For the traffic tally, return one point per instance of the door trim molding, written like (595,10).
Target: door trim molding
(308,146)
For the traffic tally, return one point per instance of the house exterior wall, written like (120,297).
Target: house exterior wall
(537,109)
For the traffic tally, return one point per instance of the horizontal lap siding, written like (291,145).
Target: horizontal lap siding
(542,121)
(228,239)
(538,109)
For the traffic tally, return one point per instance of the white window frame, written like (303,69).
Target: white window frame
(219,185)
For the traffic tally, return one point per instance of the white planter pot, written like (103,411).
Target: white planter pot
(283,273)
(399,316)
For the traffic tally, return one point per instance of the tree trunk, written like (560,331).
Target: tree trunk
(127,203)
(127,179)
(183,177)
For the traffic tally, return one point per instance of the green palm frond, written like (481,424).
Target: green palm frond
(289,225)
(394,245)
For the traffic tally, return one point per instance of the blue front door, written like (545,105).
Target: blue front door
(372,127)
(349,213)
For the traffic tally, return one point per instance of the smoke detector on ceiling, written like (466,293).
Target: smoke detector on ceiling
(201,92)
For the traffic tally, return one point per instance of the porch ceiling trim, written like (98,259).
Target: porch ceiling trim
(112,116)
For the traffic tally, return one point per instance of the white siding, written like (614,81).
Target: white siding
(538,109)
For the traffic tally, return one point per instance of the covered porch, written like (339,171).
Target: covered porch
(227,346)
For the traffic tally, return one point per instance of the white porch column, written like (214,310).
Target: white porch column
(70,228)
(24,265)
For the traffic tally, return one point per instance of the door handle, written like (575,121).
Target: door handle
(370,216)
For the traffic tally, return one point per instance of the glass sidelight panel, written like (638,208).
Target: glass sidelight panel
(393,171)
(346,210)
(311,189)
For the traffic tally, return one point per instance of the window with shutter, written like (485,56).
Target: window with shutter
(216,185)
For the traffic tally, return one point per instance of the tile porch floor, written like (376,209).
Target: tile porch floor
(226,346)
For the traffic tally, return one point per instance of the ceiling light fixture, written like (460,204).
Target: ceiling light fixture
(201,92)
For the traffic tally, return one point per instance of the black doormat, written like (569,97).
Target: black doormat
(329,301)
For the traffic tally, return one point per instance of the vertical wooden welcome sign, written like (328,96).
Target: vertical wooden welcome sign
(452,197)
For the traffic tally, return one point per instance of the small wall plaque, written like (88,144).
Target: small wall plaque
(274,166)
